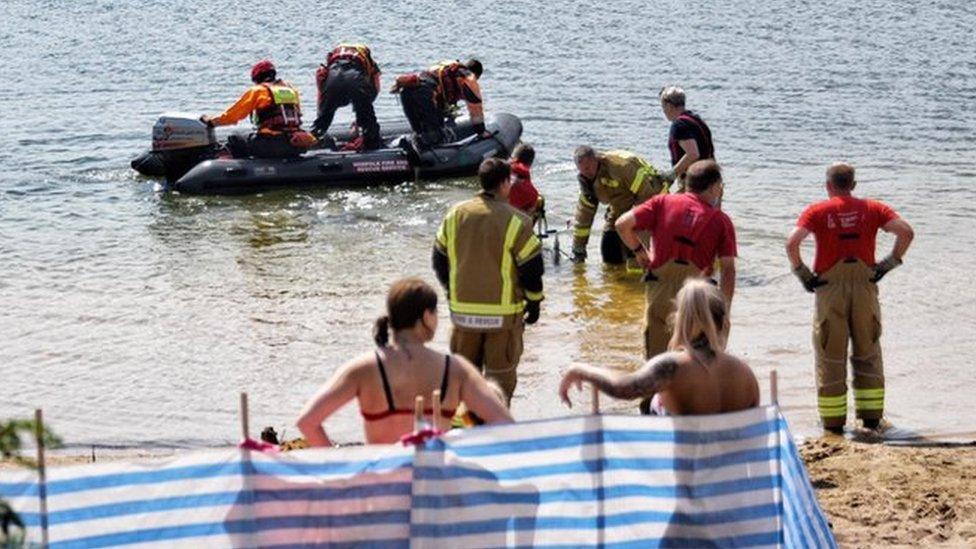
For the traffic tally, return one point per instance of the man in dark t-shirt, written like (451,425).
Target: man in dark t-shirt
(689,139)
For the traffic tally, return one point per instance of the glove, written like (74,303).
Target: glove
(640,254)
(479,129)
(207,120)
(884,266)
(809,280)
(579,256)
(532,312)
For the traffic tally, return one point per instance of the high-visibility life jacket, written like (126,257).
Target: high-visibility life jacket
(447,73)
(284,113)
(357,53)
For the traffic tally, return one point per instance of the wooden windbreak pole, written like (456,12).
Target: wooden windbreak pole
(436,408)
(418,413)
(41,473)
(778,468)
(595,400)
(245,420)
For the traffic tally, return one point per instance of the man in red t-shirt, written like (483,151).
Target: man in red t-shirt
(523,195)
(844,280)
(688,232)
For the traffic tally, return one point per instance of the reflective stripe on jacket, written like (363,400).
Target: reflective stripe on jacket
(622,181)
(485,241)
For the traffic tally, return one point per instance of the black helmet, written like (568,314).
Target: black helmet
(474,66)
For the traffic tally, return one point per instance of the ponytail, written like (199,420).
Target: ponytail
(381,331)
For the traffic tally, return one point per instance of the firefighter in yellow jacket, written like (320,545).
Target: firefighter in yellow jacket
(619,179)
(490,263)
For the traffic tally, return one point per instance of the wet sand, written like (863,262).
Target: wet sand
(877,495)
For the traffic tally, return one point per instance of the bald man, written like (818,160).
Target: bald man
(844,279)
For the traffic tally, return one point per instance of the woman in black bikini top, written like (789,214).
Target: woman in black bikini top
(400,370)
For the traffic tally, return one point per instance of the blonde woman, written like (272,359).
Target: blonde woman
(696,376)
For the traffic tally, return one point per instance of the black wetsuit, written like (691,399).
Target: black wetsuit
(348,82)
(424,114)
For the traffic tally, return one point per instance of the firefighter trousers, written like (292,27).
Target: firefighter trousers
(660,288)
(495,353)
(848,311)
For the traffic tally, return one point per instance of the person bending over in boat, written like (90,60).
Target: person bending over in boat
(429,98)
(276,112)
(349,75)
(387,381)
(696,377)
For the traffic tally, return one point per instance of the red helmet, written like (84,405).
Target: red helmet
(261,67)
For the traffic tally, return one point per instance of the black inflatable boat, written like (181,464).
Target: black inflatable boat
(188,155)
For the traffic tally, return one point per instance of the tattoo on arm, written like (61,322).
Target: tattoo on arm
(648,380)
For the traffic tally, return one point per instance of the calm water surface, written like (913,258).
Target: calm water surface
(135,318)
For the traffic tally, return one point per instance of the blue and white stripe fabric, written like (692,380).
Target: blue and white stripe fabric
(230,498)
(733,480)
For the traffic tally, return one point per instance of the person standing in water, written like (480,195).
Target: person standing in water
(696,377)
(490,263)
(688,233)
(386,381)
(689,139)
(619,179)
(844,279)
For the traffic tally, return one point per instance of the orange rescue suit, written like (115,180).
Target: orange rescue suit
(260,98)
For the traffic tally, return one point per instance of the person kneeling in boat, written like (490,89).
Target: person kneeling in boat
(275,109)
(387,381)
(696,377)
(430,97)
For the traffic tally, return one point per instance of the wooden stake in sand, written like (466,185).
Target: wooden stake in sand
(418,413)
(595,400)
(436,415)
(245,420)
(778,468)
(41,473)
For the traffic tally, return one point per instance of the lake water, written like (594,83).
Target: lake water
(135,318)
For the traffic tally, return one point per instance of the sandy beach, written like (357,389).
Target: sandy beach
(877,495)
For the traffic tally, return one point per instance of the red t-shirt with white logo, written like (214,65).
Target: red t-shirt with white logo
(685,227)
(845,227)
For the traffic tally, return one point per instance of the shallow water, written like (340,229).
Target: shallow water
(135,318)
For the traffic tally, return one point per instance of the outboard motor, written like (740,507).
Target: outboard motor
(179,142)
